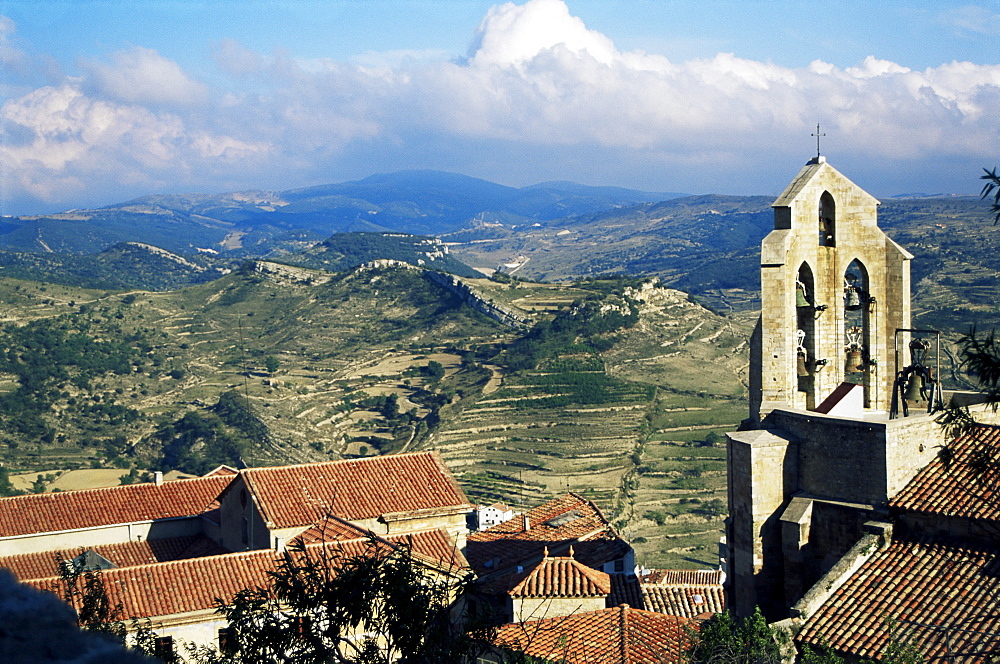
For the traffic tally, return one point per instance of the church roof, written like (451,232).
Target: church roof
(91,508)
(951,486)
(936,591)
(355,489)
(619,635)
(811,170)
(562,577)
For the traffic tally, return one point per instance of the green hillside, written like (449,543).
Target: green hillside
(276,364)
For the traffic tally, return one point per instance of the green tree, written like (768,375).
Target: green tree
(6,487)
(380,606)
(271,363)
(725,639)
(992,187)
(979,356)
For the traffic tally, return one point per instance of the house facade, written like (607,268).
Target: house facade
(167,550)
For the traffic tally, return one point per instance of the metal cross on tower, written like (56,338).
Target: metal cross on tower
(817,135)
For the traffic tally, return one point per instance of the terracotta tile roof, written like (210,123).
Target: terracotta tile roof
(328,530)
(194,584)
(953,489)
(686,593)
(562,577)
(354,489)
(619,635)
(127,554)
(625,590)
(932,582)
(72,510)
(435,548)
(568,520)
(687,601)
(683,577)
(432,546)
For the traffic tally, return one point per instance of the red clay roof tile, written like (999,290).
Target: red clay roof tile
(562,577)
(355,489)
(936,583)
(72,510)
(619,635)
(126,554)
(954,488)
(568,520)
(196,583)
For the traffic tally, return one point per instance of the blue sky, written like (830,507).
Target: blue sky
(104,101)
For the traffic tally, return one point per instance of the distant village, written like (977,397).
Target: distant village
(848,531)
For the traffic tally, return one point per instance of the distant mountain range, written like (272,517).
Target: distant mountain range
(704,245)
(258,222)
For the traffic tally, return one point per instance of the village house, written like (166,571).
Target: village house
(563,558)
(212,536)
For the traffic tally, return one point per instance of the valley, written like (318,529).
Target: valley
(227,330)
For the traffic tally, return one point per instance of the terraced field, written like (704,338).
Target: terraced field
(383,361)
(630,429)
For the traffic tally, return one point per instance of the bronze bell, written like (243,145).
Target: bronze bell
(800,365)
(855,363)
(915,388)
(800,298)
(852,300)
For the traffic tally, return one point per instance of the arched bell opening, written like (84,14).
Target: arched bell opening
(827,220)
(805,330)
(859,362)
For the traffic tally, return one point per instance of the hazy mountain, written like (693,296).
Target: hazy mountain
(422,202)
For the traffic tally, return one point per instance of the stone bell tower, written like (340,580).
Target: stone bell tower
(819,457)
(834,289)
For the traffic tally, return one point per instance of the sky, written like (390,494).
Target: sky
(101,102)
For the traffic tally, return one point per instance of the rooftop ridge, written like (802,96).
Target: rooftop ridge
(343,462)
(108,506)
(58,495)
(623,630)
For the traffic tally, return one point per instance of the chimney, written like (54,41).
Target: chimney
(527,523)
(158,478)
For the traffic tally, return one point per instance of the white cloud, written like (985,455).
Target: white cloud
(514,34)
(142,76)
(59,142)
(538,88)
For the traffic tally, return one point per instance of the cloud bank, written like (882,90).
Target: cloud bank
(538,96)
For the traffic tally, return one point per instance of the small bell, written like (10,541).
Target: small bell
(800,296)
(855,363)
(800,365)
(915,388)
(852,300)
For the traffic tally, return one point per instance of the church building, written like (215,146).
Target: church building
(843,397)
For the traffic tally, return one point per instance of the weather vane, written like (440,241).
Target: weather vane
(817,135)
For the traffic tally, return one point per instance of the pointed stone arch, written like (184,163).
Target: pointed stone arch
(827,220)
(858,328)
(805,331)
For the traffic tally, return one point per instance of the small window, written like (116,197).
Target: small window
(227,641)
(827,221)
(300,625)
(163,647)
(244,530)
(564,519)
(620,565)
